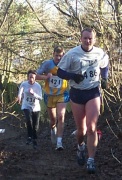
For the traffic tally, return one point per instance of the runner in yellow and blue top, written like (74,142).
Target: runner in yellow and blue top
(56,95)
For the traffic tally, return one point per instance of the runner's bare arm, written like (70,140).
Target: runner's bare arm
(43,76)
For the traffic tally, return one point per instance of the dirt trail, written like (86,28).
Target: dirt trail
(19,161)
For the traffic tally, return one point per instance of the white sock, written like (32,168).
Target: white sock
(59,140)
(90,159)
(81,147)
(54,130)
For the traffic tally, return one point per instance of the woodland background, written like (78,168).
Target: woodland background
(30,29)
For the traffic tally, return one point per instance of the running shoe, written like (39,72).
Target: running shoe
(29,141)
(54,135)
(34,144)
(81,159)
(59,147)
(91,167)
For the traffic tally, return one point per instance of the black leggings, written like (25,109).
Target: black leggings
(32,122)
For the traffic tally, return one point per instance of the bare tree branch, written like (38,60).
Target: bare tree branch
(47,30)
(59,9)
(11,50)
(4,18)
(115,157)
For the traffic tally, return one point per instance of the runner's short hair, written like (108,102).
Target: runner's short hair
(59,49)
(89,30)
(31,72)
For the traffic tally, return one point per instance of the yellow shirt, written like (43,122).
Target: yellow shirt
(53,85)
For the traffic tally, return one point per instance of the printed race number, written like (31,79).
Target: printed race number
(55,82)
(30,100)
(90,74)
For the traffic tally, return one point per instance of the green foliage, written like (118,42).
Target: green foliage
(25,28)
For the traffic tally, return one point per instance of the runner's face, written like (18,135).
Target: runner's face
(31,78)
(57,57)
(88,40)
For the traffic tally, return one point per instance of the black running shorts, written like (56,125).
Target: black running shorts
(83,96)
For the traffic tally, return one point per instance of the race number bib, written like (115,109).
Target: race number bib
(92,75)
(55,82)
(30,100)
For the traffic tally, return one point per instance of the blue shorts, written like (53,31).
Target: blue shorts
(83,96)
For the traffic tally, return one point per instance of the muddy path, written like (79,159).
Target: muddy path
(20,161)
